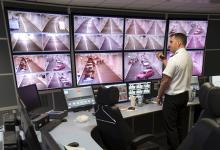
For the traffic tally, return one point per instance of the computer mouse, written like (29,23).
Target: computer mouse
(64,120)
(73,144)
(131,108)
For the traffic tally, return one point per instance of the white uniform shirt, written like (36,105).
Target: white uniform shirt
(179,68)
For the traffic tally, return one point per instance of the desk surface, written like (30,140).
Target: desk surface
(72,131)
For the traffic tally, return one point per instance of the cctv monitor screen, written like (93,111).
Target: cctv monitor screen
(215,80)
(144,34)
(96,33)
(195,83)
(123,94)
(197,58)
(97,68)
(79,97)
(38,32)
(195,31)
(47,71)
(139,89)
(141,66)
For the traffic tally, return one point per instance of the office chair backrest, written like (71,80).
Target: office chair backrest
(214,102)
(114,131)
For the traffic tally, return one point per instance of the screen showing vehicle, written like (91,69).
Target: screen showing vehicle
(194,30)
(144,34)
(123,93)
(96,68)
(141,66)
(139,90)
(197,58)
(47,71)
(79,97)
(95,33)
(38,32)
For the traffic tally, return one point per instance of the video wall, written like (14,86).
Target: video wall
(105,49)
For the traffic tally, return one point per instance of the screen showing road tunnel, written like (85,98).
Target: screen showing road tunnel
(194,30)
(98,33)
(144,34)
(96,68)
(141,66)
(46,71)
(197,58)
(38,32)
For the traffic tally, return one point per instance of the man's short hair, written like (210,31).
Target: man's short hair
(181,37)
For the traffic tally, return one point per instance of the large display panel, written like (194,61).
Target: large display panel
(98,33)
(144,34)
(123,93)
(139,89)
(38,32)
(96,68)
(194,30)
(197,58)
(47,71)
(141,66)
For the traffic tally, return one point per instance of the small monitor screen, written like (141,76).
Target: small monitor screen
(79,97)
(215,80)
(197,58)
(123,94)
(144,34)
(139,90)
(47,71)
(194,83)
(96,68)
(194,30)
(98,33)
(38,32)
(141,66)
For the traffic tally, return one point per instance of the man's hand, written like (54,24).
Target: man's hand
(159,100)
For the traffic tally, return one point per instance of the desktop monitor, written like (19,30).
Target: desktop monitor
(215,80)
(30,97)
(140,90)
(97,68)
(97,33)
(195,31)
(123,93)
(141,66)
(79,98)
(195,83)
(144,34)
(38,32)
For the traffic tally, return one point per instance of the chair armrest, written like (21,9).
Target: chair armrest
(142,139)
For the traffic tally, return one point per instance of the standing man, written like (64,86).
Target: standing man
(175,85)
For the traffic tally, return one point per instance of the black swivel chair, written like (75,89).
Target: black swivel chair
(205,135)
(112,130)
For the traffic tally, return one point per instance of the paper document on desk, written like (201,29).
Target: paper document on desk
(73,148)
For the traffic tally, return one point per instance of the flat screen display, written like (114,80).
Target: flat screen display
(144,34)
(95,33)
(38,32)
(141,66)
(47,71)
(123,93)
(139,89)
(194,30)
(215,80)
(97,68)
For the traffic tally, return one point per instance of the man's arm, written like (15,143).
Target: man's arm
(165,83)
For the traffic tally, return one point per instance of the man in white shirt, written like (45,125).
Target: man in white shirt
(175,85)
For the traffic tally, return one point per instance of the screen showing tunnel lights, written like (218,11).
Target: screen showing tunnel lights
(38,32)
(139,89)
(123,93)
(197,59)
(194,30)
(98,33)
(144,34)
(47,71)
(141,66)
(96,68)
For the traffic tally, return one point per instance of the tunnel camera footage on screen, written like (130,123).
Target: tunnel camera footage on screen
(141,66)
(144,34)
(38,32)
(123,93)
(98,33)
(47,71)
(79,97)
(197,59)
(194,30)
(139,90)
(96,68)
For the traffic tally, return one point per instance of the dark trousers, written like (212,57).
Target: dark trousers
(175,118)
